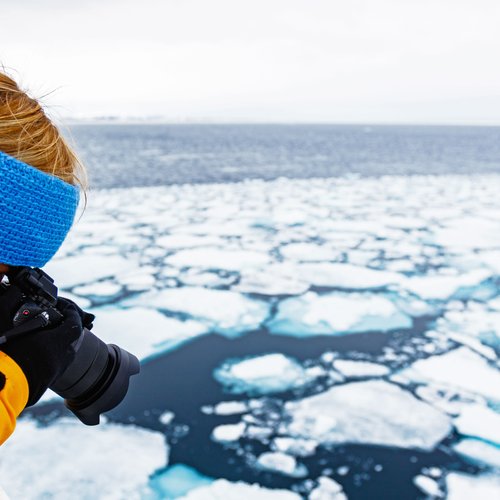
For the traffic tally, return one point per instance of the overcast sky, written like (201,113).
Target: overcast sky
(368,61)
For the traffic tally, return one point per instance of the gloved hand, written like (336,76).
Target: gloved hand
(43,354)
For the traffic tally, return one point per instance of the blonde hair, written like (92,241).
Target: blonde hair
(30,136)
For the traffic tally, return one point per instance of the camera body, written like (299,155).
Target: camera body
(98,378)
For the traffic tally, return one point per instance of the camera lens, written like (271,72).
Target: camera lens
(97,379)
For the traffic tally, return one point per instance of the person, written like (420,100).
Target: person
(40,182)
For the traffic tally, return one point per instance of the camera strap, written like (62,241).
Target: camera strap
(39,321)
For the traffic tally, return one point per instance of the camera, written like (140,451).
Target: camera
(98,378)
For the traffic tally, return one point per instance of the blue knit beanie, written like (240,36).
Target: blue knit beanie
(36,213)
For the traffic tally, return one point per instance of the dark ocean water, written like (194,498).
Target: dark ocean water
(147,155)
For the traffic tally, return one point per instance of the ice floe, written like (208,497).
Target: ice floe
(84,269)
(309,252)
(337,313)
(480,233)
(295,446)
(221,310)
(428,486)
(182,241)
(346,276)
(282,463)
(109,461)
(353,369)
(480,321)
(216,258)
(144,332)
(228,432)
(100,289)
(460,368)
(223,489)
(327,489)
(479,452)
(262,374)
(275,279)
(444,287)
(372,412)
(166,417)
(462,486)
(230,407)
(479,421)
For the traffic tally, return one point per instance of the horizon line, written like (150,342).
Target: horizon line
(71,121)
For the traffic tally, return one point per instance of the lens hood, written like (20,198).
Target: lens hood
(98,378)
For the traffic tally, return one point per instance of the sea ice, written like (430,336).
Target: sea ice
(361,257)
(308,252)
(327,489)
(480,422)
(350,368)
(84,269)
(428,486)
(443,287)
(214,228)
(82,302)
(144,332)
(137,281)
(181,241)
(275,279)
(460,368)
(175,482)
(480,234)
(99,289)
(464,486)
(371,412)
(228,432)
(262,374)
(230,407)
(225,490)
(166,417)
(110,461)
(208,279)
(297,447)
(491,259)
(337,313)
(218,258)
(345,276)
(226,312)
(479,452)
(277,461)
(476,320)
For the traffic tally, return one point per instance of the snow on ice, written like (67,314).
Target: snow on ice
(144,332)
(222,489)
(262,374)
(462,486)
(353,369)
(224,311)
(337,313)
(109,461)
(479,452)
(460,368)
(372,412)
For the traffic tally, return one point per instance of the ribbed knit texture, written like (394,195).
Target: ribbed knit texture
(36,213)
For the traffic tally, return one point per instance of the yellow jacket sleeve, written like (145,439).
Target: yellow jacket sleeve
(14,392)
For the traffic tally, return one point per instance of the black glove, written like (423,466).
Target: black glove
(43,355)
(87,318)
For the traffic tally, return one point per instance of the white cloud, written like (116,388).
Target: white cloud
(261,60)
